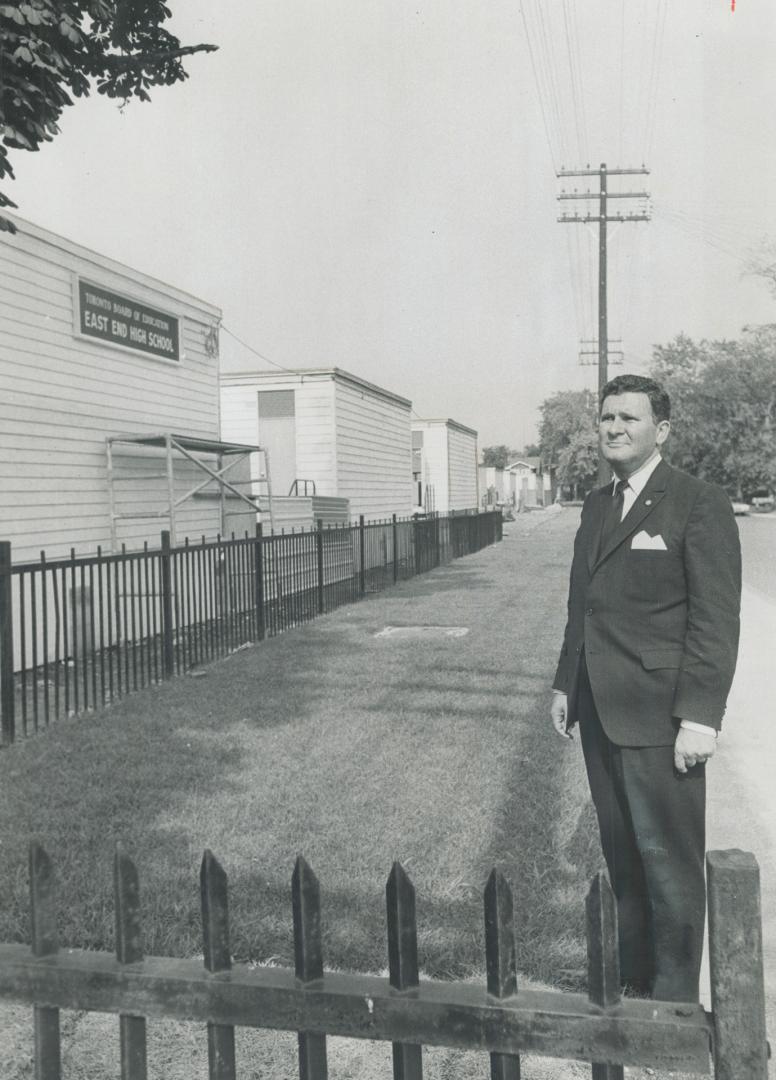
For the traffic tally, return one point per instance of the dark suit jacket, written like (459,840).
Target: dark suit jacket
(659,627)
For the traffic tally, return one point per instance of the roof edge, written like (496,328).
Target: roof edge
(71,247)
(448,422)
(300,374)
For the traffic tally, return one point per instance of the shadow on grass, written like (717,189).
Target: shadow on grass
(455,576)
(94,779)
(136,771)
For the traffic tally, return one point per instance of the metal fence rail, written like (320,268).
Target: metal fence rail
(81,632)
(498,1018)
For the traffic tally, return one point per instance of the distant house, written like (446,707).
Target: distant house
(330,435)
(529,483)
(445,466)
(494,488)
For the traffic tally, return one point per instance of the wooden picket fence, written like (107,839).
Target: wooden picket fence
(601,1028)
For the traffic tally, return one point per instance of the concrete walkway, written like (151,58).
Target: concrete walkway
(742,786)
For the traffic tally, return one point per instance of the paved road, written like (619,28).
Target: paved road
(758,541)
(742,791)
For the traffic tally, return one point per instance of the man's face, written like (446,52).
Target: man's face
(627,433)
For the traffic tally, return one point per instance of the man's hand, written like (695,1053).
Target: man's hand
(559,714)
(692,747)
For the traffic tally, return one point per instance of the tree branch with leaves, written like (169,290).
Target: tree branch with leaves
(52,51)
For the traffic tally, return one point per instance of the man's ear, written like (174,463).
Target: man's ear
(663,428)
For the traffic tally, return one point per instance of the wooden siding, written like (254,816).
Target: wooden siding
(239,413)
(374,452)
(315,440)
(352,438)
(434,459)
(314,415)
(462,468)
(62,395)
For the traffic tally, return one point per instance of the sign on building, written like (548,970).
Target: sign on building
(122,320)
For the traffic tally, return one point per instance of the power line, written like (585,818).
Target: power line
(622,74)
(545,39)
(728,240)
(575,77)
(538,90)
(653,97)
(256,352)
(604,218)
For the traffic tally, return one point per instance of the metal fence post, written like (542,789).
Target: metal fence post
(7,690)
(736,962)
(361,553)
(168,645)
(258,570)
(319,553)
(416,543)
(395,539)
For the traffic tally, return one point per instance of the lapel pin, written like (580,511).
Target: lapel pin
(648,502)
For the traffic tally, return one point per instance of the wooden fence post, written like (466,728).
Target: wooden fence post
(7,689)
(603,962)
(258,570)
(129,950)
(500,961)
(403,962)
(736,962)
(361,555)
(308,962)
(215,932)
(319,553)
(168,646)
(48,1056)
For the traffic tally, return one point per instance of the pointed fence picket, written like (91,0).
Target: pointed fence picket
(129,950)
(403,963)
(501,961)
(602,1028)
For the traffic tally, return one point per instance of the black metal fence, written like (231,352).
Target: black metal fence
(81,632)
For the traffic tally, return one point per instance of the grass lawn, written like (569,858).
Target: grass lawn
(350,749)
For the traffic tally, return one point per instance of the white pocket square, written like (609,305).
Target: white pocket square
(644,542)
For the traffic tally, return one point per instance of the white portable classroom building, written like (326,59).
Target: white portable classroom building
(92,351)
(446,466)
(493,486)
(328,434)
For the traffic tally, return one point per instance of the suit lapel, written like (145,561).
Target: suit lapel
(596,523)
(653,492)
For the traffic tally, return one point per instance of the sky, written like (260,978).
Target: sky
(370,184)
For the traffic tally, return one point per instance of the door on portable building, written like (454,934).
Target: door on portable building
(277,434)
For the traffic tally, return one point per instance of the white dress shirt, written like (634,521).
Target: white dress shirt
(636,483)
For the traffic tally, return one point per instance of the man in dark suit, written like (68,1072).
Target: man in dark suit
(646,665)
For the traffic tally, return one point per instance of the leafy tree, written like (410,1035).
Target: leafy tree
(497,457)
(52,49)
(723,398)
(568,436)
(762,263)
(531,450)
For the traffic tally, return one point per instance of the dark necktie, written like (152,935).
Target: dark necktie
(613,515)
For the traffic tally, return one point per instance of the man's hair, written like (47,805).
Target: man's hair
(638,384)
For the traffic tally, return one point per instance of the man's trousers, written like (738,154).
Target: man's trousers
(652,823)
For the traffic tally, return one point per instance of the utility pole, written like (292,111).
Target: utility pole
(603,218)
(615,357)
